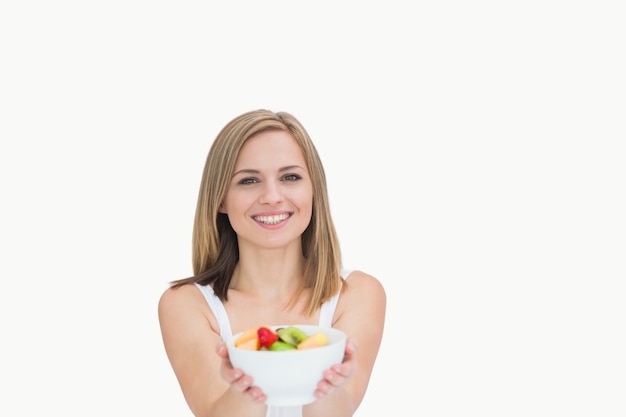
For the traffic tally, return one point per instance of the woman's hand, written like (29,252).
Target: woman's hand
(238,381)
(338,375)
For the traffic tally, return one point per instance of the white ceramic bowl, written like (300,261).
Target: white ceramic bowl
(290,377)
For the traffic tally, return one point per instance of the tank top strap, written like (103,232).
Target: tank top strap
(219,310)
(327,310)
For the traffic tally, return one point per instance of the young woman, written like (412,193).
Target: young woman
(266,252)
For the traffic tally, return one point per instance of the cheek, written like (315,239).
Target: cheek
(233,202)
(306,201)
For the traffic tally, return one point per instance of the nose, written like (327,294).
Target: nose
(272,193)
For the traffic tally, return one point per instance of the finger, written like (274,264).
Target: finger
(231,375)
(323,389)
(242,382)
(335,378)
(222,350)
(256,394)
(351,346)
(343,370)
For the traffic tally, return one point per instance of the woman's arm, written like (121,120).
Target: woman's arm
(189,333)
(361,315)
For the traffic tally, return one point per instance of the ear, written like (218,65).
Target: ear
(221,209)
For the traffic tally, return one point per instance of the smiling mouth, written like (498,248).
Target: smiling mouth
(272,219)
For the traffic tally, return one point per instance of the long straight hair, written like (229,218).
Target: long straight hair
(215,251)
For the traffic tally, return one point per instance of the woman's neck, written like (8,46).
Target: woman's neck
(274,273)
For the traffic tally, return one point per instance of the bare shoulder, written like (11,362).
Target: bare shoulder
(363,295)
(361,284)
(180,297)
(184,304)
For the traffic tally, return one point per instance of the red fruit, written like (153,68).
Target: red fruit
(267,337)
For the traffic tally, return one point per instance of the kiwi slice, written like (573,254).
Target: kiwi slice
(291,335)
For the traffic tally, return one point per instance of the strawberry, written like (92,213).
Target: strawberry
(267,337)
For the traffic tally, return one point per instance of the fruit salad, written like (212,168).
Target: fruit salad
(283,338)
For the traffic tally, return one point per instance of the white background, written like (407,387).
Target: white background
(474,152)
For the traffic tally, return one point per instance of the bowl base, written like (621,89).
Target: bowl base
(291,401)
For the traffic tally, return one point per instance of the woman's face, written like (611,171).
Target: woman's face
(269,201)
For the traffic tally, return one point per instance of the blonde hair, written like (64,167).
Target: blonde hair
(215,251)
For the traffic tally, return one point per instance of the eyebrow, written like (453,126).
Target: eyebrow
(256,171)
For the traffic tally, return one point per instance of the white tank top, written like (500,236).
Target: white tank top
(327,312)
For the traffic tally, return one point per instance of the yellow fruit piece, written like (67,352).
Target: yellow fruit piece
(247,336)
(252,344)
(313,341)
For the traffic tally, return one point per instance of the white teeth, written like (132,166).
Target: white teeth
(271,219)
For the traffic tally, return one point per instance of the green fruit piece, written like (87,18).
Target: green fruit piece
(291,335)
(280,345)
